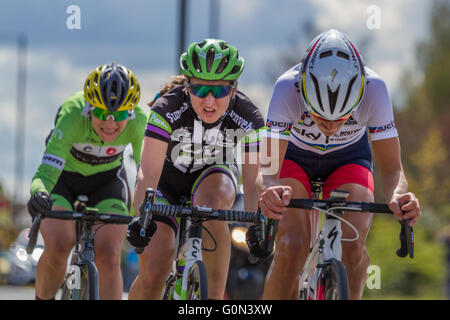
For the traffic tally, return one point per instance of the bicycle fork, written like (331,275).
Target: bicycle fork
(190,252)
(327,246)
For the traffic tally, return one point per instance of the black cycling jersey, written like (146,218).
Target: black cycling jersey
(193,144)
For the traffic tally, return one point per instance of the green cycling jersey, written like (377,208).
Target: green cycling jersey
(74,146)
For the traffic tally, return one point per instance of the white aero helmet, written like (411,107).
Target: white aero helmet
(332,76)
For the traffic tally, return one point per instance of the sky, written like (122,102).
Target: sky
(64,47)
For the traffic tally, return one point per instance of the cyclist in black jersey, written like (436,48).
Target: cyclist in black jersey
(188,155)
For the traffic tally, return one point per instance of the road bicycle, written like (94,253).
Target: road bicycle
(81,280)
(188,279)
(324,276)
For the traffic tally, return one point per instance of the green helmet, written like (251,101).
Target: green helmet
(212,59)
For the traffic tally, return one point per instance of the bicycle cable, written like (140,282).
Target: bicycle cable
(211,236)
(340,219)
(213,239)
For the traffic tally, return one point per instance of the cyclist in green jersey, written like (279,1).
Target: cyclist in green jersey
(84,156)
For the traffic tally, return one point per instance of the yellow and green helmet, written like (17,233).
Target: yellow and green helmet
(212,59)
(112,87)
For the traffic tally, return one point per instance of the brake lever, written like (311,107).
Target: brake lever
(406,240)
(146,217)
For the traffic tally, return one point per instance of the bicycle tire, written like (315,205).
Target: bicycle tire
(88,289)
(197,287)
(89,281)
(333,281)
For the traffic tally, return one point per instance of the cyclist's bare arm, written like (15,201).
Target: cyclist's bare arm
(395,185)
(152,161)
(250,174)
(274,197)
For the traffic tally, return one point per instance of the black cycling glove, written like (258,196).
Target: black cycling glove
(253,238)
(39,202)
(134,236)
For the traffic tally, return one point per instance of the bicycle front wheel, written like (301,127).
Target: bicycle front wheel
(333,284)
(197,286)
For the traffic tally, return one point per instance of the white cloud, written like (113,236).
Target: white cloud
(240,10)
(51,78)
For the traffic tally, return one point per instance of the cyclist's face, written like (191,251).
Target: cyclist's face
(327,127)
(209,108)
(108,130)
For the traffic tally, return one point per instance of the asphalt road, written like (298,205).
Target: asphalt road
(24,293)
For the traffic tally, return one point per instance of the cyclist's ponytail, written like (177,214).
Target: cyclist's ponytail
(176,81)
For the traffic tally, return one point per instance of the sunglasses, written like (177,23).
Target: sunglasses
(106,115)
(219,91)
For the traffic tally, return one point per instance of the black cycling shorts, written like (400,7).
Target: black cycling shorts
(178,188)
(108,191)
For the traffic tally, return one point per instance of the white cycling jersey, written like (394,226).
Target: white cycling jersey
(289,119)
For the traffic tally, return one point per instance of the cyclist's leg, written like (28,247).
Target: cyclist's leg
(293,239)
(59,238)
(216,188)
(358,180)
(156,261)
(113,196)
(107,246)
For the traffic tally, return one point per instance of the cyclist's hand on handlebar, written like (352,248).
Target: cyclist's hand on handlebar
(407,202)
(253,239)
(134,236)
(40,201)
(273,201)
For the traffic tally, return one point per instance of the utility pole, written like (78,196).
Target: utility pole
(181,32)
(214,15)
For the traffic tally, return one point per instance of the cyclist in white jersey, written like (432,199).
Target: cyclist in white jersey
(319,116)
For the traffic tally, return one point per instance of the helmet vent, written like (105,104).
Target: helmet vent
(325,54)
(196,62)
(343,55)
(349,89)
(332,98)
(210,59)
(185,66)
(316,86)
(235,69)
(223,64)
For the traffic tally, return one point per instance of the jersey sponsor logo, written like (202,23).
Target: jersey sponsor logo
(111,151)
(200,147)
(350,121)
(310,135)
(240,121)
(280,127)
(91,159)
(306,120)
(174,116)
(98,151)
(54,161)
(156,120)
(95,155)
(386,127)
